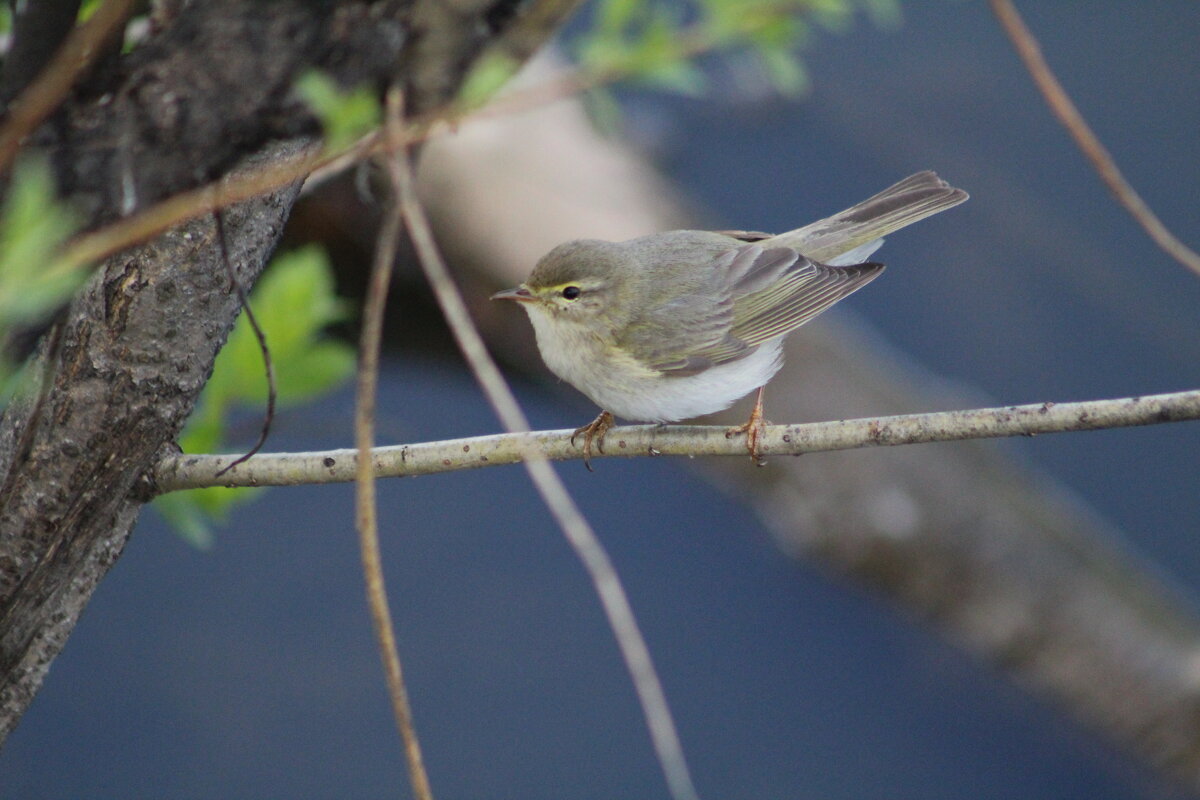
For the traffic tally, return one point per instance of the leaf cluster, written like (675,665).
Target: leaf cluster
(656,42)
(345,114)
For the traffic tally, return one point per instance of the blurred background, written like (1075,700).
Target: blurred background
(249,670)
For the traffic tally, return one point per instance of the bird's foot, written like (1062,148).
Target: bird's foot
(593,431)
(755,429)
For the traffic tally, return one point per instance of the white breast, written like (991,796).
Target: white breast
(635,393)
(665,399)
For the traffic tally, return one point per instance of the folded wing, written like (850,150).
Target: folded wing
(763,293)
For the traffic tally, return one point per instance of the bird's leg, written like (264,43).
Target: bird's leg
(755,429)
(596,429)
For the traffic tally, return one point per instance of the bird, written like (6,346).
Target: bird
(679,324)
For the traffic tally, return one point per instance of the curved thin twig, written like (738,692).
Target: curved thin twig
(1062,107)
(366,516)
(338,466)
(259,337)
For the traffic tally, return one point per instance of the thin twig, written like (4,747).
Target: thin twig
(92,247)
(365,505)
(428,458)
(554,494)
(259,336)
(1061,105)
(41,97)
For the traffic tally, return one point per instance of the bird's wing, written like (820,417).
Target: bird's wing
(686,332)
(771,302)
(755,294)
(746,236)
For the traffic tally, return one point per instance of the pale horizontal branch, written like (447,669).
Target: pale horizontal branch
(337,466)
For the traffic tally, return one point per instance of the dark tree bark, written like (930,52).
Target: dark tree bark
(208,90)
(37,32)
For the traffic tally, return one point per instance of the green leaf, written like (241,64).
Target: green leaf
(186,518)
(293,302)
(784,70)
(33,226)
(830,13)
(345,115)
(682,77)
(193,513)
(487,76)
(778,32)
(86,9)
(652,43)
(327,365)
(600,54)
(33,282)
(603,110)
(614,16)
(885,14)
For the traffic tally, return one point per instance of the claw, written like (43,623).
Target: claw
(594,430)
(755,429)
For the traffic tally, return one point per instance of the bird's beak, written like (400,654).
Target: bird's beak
(520,294)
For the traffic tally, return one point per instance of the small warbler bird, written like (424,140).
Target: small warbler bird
(680,324)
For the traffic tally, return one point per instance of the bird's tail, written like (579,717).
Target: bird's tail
(851,236)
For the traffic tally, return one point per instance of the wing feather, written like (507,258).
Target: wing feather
(805,291)
(756,295)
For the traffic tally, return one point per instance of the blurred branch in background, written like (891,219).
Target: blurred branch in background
(1085,138)
(1000,560)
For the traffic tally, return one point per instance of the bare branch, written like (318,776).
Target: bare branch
(337,466)
(1087,141)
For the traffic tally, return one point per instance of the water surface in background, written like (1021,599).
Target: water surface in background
(250,671)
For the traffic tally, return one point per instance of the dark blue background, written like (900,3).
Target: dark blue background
(250,671)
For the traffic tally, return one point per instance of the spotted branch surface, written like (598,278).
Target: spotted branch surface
(337,466)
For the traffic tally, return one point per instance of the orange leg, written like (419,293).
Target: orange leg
(755,429)
(594,430)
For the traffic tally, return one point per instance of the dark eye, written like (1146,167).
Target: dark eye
(572,292)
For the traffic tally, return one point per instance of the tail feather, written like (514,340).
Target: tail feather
(912,199)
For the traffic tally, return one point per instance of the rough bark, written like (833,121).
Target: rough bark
(37,32)
(132,354)
(208,89)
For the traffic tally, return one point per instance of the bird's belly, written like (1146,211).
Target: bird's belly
(654,398)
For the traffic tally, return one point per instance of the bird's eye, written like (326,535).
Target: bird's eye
(572,292)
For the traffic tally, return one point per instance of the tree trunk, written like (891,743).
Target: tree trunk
(207,90)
